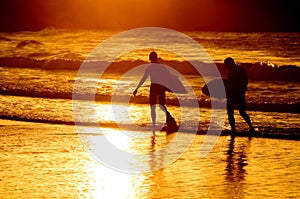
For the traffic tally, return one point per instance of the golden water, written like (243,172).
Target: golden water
(49,161)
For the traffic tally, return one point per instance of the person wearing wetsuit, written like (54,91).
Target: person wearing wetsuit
(237,87)
(158,74)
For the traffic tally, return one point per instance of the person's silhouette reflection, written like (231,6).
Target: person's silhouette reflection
(236,160)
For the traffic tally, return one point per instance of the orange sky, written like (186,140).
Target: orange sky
(218,15)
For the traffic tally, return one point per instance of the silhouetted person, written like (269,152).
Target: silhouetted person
(157,73)
(237,87)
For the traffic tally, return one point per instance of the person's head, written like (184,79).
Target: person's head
(229,63)
(153,57)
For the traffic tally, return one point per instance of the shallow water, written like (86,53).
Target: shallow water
(49,161)
(60,84)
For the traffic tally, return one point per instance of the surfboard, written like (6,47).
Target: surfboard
(216,88)
(174,85)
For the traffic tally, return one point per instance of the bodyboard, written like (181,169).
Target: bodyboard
(174,85)
(216,88)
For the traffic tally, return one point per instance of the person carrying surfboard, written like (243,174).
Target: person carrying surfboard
(237,86)
(158,74)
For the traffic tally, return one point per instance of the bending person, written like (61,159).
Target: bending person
(237,87)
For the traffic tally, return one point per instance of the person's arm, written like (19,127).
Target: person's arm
(146,74)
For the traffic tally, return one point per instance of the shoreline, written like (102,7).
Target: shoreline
(262,132)
(266,107)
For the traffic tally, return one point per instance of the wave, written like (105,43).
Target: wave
(256,71)
(263,132)
(25,43)
(267,107)
(51,64)
(4,39)
(52,31)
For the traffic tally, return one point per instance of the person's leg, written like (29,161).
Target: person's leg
(153,114)
(162,100)
(242,111)
(170,121)
(230,112)
(153,99)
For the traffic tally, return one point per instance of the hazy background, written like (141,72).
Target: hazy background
(206,15)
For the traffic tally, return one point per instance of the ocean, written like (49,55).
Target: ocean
(46,148)
(278,48)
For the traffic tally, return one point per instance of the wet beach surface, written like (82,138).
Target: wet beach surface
(50,161)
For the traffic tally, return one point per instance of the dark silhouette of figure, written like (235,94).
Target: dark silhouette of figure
(237,87)
(157,73)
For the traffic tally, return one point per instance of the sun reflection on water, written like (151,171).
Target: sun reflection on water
(107,183)
(51,162)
